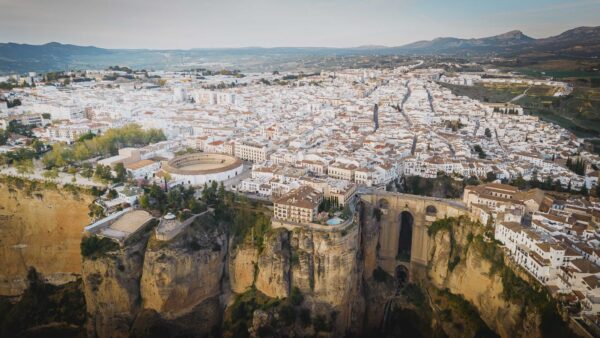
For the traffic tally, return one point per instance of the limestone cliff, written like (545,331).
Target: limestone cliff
(41,227)
(242,264)
(322,266)
(297,281)
(112,289)
(174,284)
(326,268)
(273,276)
(467,263)
(184,275)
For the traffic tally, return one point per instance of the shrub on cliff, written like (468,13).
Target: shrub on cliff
(94,247)
(537,299)
(54,311)
(380,275)
(461,309)
(296,297)
(440,224)
(305,317)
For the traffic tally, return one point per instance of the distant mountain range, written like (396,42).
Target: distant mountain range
(578,42)
(582,41)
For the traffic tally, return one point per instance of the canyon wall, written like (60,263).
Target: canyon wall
(148,284)
(186,286)
(323,266)
(40,227)
(465,262)
(112,289)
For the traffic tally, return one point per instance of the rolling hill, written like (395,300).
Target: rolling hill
(581,42)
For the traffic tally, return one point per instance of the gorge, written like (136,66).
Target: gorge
(214,279)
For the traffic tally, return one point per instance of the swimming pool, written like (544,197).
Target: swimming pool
(335,221)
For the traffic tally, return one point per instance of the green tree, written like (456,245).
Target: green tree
(173,199)
(488,133)
(103,173)
(51,174)
(145,201)
(535,182)
(96,211)
(547,185)
(519,182)
(166,179)
(112,194)
(296,297)
(221,192)
(104,145)
(3,137)
(479,151)
(24,166)
(38,146)
(121,172)
(87,170)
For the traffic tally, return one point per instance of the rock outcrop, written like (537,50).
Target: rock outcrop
(112,289)
(182,275)
(242,265)
(475,279)
(326,268)
(40,227)
(309,281)
(273,276)
(176,283)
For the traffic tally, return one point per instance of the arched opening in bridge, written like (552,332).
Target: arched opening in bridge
(405,238)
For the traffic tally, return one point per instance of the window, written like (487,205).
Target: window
(384,204)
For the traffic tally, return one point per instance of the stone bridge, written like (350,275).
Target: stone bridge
(403,238)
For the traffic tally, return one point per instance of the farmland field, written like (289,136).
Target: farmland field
(578,112)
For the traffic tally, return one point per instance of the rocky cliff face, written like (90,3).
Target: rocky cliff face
(174,284)
(112,290)
(323,266)
(242,265)
(273,275)
(477,279)
(184,275)
(305,281)
(40,227)
(326,268)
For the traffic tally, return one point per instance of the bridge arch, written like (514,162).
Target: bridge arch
(398,210)
(406,223)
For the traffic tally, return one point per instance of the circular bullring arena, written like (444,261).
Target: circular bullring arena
(200,168)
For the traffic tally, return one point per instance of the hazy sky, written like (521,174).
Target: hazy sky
(268,23)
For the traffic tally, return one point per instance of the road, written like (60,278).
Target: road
(518,97)
(498,139)
(406,96)
(234,181)
(400,108)
(430,99)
